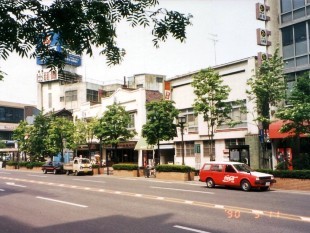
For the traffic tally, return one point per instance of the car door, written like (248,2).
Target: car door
(217,173)
(231,176)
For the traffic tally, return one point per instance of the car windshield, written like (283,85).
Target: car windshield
(85,161)
(243,168)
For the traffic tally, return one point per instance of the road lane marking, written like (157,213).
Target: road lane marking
(94,181)
(63,202)
(16,185)
(1,190)
(183,190)
(38,176)
(190,229)
(305,219)
(270,214)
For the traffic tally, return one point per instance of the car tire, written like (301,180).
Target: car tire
(210,183)
(44,171)
(76,173)
(55,171)
(245,185)
(68,172)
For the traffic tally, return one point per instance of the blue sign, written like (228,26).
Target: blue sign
(52,41)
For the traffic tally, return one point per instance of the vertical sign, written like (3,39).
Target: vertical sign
(167,90)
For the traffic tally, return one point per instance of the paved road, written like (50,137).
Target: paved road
(35,202)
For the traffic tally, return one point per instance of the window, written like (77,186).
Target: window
(287,42)
(50,100)
(207,167)
(11,115)
(191,120)
(234,142)
(131,125)
(207,152)
(159,79)
(92,96)
(300,38)
(230,169)
(140,86)
(286,6)
(189,149)
(217,168)
(298,3)
(61,99)
(71,96)
(50,86)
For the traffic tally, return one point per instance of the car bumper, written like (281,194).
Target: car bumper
(264,182)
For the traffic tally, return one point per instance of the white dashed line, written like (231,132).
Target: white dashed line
(63,202)
(190,229)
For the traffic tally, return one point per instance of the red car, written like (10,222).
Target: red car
(234,174)
(55,167)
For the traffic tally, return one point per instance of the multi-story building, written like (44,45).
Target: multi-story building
(134,101)
(238,143)
(11,114)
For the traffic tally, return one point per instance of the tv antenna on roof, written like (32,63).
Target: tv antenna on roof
(215,40)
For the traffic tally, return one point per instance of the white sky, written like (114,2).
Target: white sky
(233,21)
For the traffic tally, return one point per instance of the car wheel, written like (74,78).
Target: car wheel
(76,173)
(245,185)
(265,188)
(55,171)
(210,183)
(44,171)
(68,172)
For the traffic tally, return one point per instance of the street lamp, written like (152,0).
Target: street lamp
(182,121)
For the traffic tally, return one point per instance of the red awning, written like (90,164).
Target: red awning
(274,130)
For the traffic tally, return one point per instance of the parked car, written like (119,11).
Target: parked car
(234,174)
(55,167)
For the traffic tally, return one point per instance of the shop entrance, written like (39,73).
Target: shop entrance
(239,153)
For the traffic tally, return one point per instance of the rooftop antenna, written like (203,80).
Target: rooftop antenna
(215,40)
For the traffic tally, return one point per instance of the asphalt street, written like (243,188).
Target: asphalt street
(35,202)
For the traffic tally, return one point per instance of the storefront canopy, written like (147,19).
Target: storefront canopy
(274,131)
(142,145)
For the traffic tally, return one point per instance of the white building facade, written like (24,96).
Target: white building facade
(239,143)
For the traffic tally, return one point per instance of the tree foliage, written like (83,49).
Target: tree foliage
(160,126)
(60,135)
(296,115)
(112,127)
(267,87)
(210,99)
(38,137)
(81,26)
(85,132)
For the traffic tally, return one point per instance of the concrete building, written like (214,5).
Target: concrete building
(240,143)
(11,114)
(134,101)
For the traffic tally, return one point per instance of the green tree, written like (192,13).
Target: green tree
(160,123)
(85,133)
(60,135)
(296,115)
(267,89)
(19,134)
(211,95)
(81,26)
(38,137)
(112,128)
